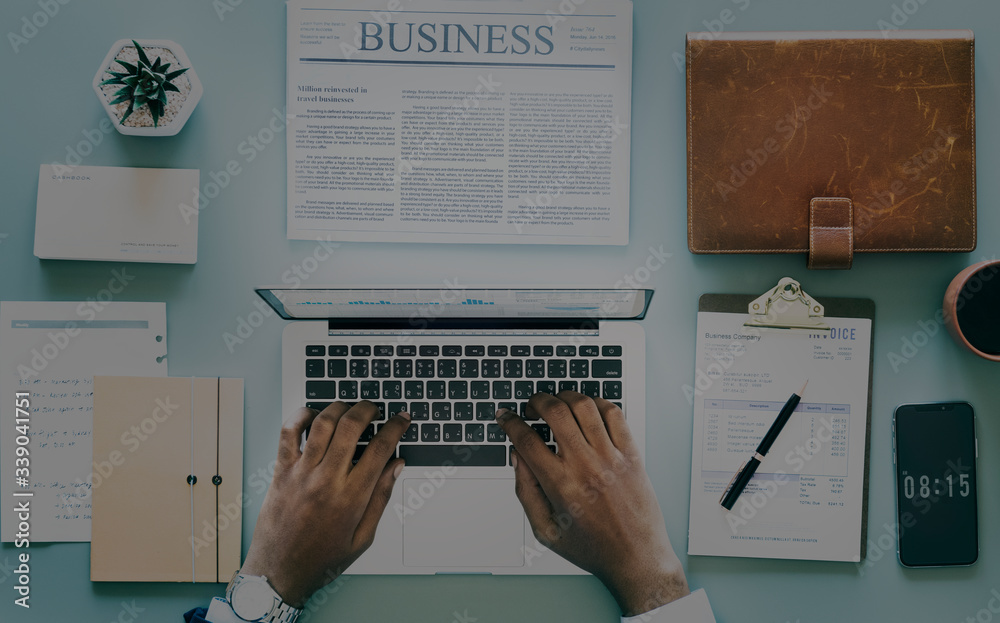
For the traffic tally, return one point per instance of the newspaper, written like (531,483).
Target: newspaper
(459,121)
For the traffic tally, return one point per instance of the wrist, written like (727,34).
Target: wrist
(641,590)
(286,588)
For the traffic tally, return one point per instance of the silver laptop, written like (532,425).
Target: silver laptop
(451,357)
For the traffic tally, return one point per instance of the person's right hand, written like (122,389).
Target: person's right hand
(592,502)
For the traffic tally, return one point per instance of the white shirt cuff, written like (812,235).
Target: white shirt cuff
(221,612)
(693,608)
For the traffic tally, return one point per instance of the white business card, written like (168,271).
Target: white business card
(117,214)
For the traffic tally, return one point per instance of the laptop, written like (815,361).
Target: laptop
(451,357)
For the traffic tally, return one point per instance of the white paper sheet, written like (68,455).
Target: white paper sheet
(459,121)
(52,350)
(805,502)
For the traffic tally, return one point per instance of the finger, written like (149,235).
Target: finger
(291,435)
(588,418)
(558,415)
(617,427)
(321,432)
(530,446)
(536,504)
(345,439)
(381,448)
(380,496)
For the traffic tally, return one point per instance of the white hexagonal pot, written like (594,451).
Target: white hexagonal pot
(179,105)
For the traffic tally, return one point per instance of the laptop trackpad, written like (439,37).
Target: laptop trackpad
(462,522)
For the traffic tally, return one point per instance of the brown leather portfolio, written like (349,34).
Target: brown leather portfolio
(831,143)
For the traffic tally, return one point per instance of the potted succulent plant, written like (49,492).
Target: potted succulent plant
(147,87)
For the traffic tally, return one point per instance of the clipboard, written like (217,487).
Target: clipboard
(787,308)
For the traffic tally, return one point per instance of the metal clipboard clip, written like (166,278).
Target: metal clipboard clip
(786,306)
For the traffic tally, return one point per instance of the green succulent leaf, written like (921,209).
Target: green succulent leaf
(174,74)
(127,114)
(170,87)
(142,54)
(161,96)
(129,67)
(120,99)
(112,81)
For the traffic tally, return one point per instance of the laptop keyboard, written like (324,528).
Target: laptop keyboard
(452,393)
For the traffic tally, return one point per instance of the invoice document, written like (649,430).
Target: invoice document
(806,499)
(459,121)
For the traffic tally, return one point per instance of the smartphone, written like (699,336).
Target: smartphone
(935,452)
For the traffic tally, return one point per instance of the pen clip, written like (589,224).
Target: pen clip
(730,485)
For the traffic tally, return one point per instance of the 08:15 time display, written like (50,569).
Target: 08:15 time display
(921,487)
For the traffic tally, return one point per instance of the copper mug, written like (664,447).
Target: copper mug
(972,309)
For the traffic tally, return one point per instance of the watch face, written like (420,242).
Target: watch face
(252,598)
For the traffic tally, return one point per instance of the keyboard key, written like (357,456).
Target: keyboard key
(430,432)
(474,433)
(321,389)
(452,432)
(358,451)
(315,351)
(381,410)
(436,390)
(510,406)
(545,387)
(520,351)
(383,350)
(413,390)
(451,351)
(432,455)
(361,350)
(368,433)
(447,368)
(480,390)
(406,351)
(619,405)
(486,411)
(359,368)
(566,351)
(475,351)
(338,351)
(348,390)
(557,368)
(534,368)
(370,390)
(590,351)
(513,368)
(464,411)
(579,368)
(522,408)
(591,388)
(611,351)
(612,390)
(468,368)
(497,351)
(396,407)
(441,411)
(336,368)
(402,368)
(491,368)
(568,386)
(543,351)
(425,368)
(315,368)
(551,446)
(428,351)
(501,390)
(543,431)
(606,368)
(411,433)
(458,390)
(523,389)
(392,390)
(319,406)
(495,434)
(420,411)
(381,368)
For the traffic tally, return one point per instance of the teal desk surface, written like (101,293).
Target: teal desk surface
(48,106)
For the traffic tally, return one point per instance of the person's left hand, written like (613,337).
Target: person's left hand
(320,513)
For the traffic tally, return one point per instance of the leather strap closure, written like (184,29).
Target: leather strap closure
(831,233)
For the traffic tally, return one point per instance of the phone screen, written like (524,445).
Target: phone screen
(935,447)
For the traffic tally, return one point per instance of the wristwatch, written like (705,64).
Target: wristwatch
(252,598)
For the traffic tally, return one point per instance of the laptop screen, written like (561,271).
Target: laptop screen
(456,302)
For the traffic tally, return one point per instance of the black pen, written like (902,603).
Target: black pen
(747,470)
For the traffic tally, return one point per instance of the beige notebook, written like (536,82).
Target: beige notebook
(168,485)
